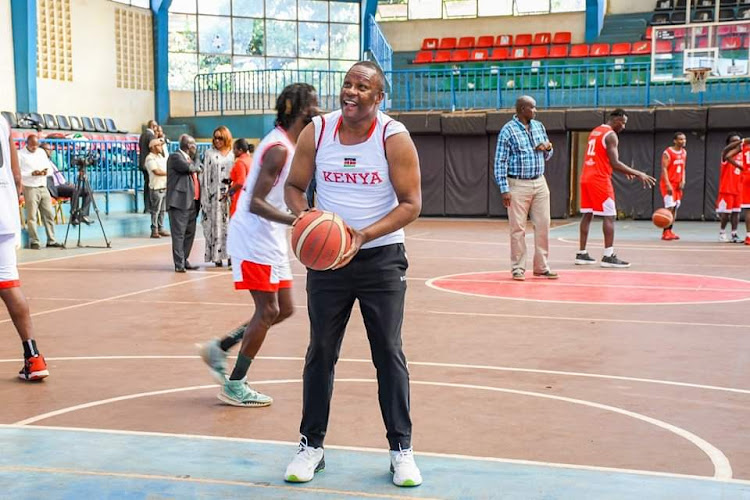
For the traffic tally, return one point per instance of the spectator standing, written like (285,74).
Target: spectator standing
(148,135)
(217,163)
(243,154)
(183,201)
(35,167)
(156,166)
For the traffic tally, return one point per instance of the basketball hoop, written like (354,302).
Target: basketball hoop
(697,77)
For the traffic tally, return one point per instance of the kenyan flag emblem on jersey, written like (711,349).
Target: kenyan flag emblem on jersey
(350,162)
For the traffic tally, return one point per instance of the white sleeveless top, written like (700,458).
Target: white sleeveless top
(10,222)
(250,236)
(354,181)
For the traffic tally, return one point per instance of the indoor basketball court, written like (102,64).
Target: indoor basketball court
(604,383)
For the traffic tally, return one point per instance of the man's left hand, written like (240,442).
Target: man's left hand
(682,185)
(358,239)
(544,146)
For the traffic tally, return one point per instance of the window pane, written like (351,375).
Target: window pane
(216,7)
(460,8)
(182,35)
(247,63)
(313,40)
(182,70)
(344,12)
(532,7)
(281,9)
(342,65)
(495,7)
(313,10)
(344,41)
(320,64)
(281,64)
(425,9)
(187,6)
(247,8)
(282,38)
(568,5)
(248,36)
(208,63)
(392,11)
(213,35)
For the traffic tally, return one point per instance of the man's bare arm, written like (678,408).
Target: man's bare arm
(15,167)
(301,172)
(270,168)
(611,141)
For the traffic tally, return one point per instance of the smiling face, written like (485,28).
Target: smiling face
(680,141)
(361,93)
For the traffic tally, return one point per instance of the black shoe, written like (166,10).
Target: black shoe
(613,262)
(54,244)
(74,222)
(86,220)
(547,274)
(583,259)
(180,270)
(34,246)
(191,267)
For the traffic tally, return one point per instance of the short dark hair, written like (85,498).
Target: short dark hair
(250,148)
(241,145)
(617,113)
(373,66)
(677,134)
(185,140)
(291,102)
(733,134)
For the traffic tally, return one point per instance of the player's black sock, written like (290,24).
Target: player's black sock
(29,348)
(241,368)
(233,338)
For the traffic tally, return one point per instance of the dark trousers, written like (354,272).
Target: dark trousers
(70,191)
(146,192)
(377,278)
(182,223)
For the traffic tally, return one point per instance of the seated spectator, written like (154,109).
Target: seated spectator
(35,167)
(156,166)
(59,187)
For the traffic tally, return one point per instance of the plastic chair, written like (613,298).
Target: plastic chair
(504,41)
(561,37)
(558,51)
(448,43)
(580,50)
(430,44)
(485,42)
(99,125)
(641,48)
(542,39)
(422,57)
(500,54)
(460,55)
(11,118)
(523,40)
(539,52)
(75,123)
(479,55)
(599,50)
(442,56)
(466,42)
(620,49)
(519,53)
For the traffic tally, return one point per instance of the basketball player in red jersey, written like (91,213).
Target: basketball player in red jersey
(731,176)
(673,163)
(597,193)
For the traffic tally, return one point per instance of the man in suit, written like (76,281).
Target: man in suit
(148,135)
(183,200)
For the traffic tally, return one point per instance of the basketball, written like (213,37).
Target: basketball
(320,239)
(662,218)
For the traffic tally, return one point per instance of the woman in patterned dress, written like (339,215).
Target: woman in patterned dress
(217,163)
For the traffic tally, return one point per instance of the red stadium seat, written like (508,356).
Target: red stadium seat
(423,57)
(442,56)
(620,49)
(430,44)
(460,55)
(561,38)
(479,55)
(703,43)
(599,50)
(679,33)
(466,42)
(580,50)
(523,39)
(504,41)
(485,42)
(726,30)
(519,53)
(559,51)
(731,42)
(663,46)
(539,52)
(641,48)
(649,33)
(542,39)
(448,43)
(500,54)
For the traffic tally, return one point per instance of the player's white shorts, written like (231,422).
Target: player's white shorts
(8,267)
(261,277)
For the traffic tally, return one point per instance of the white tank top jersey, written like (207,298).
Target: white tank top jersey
(354,181)
(10,221)
(250,236)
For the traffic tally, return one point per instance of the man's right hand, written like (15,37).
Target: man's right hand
(506,199)
(647,180)
(669,189)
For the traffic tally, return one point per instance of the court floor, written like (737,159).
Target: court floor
(602,384)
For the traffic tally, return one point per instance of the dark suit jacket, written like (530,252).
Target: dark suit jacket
(146,137)
(180,188)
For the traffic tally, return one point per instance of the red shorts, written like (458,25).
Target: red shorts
(261,277)
(673,200)
(745,191)
(726,203)
(598,198)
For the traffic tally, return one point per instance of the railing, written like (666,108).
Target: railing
(114,167)
(474,87)
(379,46)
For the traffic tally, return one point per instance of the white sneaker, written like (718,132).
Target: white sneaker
(723,238)
(305,463)
(404,468)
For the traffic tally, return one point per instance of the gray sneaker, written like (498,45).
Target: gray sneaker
(238,393)
(215,358)
(583,259)
(613,261)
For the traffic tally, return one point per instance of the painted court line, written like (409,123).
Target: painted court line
(89,254)
(513,461)
(722,468)
(181,479)
(562,283)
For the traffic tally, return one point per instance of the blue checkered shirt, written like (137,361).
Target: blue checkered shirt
(515,154)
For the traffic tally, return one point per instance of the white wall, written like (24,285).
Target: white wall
(407,35)
(630,6)
(94,91)
(7,72)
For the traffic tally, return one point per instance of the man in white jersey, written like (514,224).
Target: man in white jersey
(367,171)
(257,244)
(34,366)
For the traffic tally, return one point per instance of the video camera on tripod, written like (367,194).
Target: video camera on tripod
(85,159)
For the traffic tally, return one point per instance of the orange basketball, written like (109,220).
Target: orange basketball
(662,218)
(320,239)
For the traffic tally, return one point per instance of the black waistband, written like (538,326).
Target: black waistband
(523,178)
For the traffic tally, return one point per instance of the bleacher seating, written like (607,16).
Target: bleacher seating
(58,126)
(485,42)
(702,11)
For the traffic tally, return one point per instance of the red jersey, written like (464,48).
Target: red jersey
(730,178)
(596,166)
(676,168)
(745,160)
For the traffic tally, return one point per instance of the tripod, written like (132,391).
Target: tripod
(83,187)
